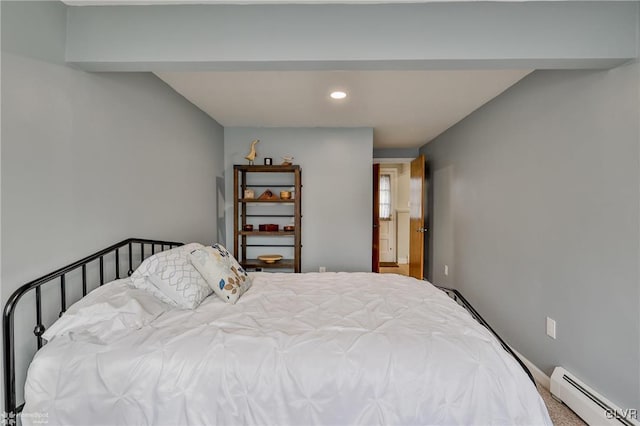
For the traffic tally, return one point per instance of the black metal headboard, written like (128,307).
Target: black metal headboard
(9,357)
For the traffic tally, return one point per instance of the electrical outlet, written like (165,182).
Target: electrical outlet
(446,270)
(551,328)
(322,269)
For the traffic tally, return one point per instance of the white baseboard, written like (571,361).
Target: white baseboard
(403,260)
(538,375)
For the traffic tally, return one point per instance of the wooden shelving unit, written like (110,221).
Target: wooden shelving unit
(253,200)
(267,233)
(252,210)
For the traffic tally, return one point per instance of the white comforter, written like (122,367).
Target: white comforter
(297,349)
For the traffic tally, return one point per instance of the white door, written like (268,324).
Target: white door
(388,179)
(387,248)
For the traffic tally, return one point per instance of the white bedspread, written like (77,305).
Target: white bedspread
(297,349)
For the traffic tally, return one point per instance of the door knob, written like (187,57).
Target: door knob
(422,229)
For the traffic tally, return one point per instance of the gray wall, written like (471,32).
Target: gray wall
(436,35)
(336,198)
(90,159)
(395,153)
(537,214)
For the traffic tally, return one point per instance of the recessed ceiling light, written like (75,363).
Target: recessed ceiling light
(338,95)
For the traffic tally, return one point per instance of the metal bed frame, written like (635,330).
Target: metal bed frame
(10,399)
(9,357)
(457,297)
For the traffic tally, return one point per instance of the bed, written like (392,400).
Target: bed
(296,349)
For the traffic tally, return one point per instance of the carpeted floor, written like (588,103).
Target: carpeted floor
(560,414)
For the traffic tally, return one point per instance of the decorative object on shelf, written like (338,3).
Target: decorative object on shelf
(285,195)
(288,160)
(268,227)
(270,258)
(247,227)
(268,161)
(252,152)
(249,193)
(289,228)
(268,195)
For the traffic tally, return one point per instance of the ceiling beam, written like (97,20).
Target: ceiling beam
(543,35)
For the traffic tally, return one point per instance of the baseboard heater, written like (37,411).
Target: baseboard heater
(592,407)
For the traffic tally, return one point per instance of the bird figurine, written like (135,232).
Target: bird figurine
(288,160)
(252,152)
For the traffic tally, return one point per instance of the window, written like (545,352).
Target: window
(385,197)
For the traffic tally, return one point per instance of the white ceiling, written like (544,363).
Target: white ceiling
(405,108)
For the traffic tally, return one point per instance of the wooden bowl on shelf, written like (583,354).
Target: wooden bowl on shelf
(247,227)
(268,227)
(270,258)
(289,228)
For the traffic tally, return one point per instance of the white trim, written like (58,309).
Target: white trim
(541,378)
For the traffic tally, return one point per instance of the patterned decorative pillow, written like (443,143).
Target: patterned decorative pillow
(222,271)
(170,277)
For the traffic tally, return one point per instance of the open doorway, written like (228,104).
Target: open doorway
(400,194)
(393,213)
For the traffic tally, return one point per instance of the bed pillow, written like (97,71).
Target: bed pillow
(170,277)
(222,272)
(111,310)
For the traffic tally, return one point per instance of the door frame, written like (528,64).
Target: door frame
(375,220)
(375,244)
